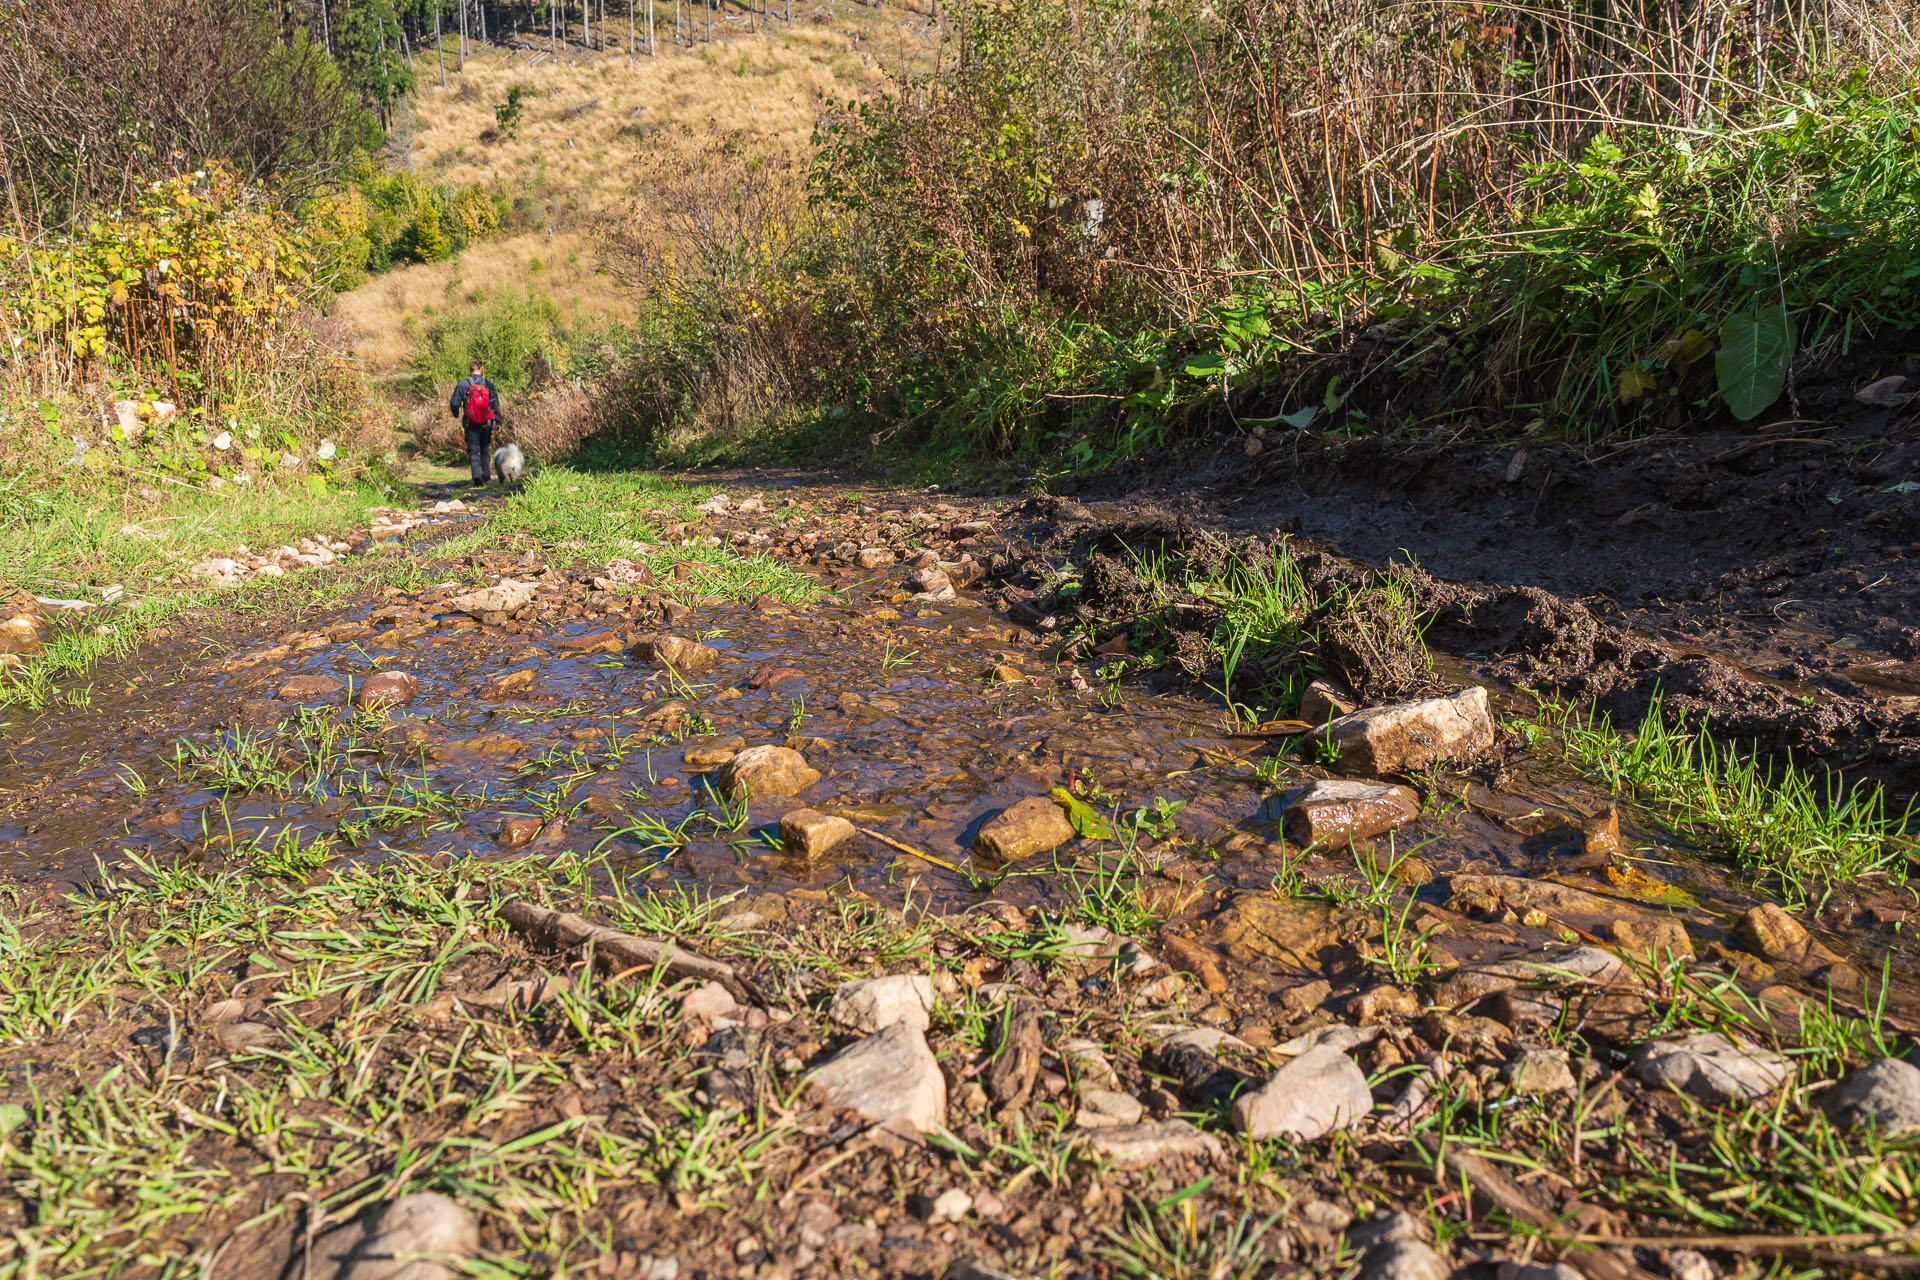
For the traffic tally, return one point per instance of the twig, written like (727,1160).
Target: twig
(907,848)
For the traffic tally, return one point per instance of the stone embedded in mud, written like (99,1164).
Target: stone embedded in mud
(506,596)
(1263,926)
(1660,939)
(1106,1108)
(1465,1033)
(1534,1071)
(1412,735)
(1335,813)
(311,685)
(1324,700)
(1135,1146)
(930,580)
(874,1004)
(1884,1096)
(518,832)
(389,689)
(1318,1092)
(1383,1003)
(890,1078)
(1005,674)
(873,557)
(711,754)
(1034,825)
(664,649)
(1770,932)
(1712,1069)
(593,642)
(1403,1260)
(810,833)
(766,771)
(20,635)
(416,1237)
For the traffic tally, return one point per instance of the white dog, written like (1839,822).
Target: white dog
(509,463)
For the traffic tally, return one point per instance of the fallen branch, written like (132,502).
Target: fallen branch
(615,952)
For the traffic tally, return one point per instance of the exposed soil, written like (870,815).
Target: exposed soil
(542,731)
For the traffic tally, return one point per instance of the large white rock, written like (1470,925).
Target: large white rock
(874,1004)
(417,1237)
(1318,1092)
(504,597)
(1412,735)
(1712,1068)
(891,1078)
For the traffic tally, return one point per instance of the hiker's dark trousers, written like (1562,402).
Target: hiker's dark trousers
(479,449)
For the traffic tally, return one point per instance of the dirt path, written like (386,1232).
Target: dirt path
(894,703)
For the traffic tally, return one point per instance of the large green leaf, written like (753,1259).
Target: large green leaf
(1755,349)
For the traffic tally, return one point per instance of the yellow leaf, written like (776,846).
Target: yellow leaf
(1633,383)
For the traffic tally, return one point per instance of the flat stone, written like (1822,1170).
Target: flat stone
(890,1078)
(810,833)
(1107,1108)
(1335,813)
(931,582)
(1135,1146)
(1412,735)
(710,755)
(874,1004)
(593,642)
(1540,1071)
(766,771)
(1660,940)
(312,685)
(506,596)
(664,649)
(1883,1096)
(874,557)
(1265,926)
(413,1238)
(1712,1069)
(1034,825)
(1318,1092)
(388,689)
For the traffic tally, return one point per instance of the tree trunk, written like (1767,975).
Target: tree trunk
(326,28)
(439,46)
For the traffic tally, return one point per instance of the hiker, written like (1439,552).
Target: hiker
(476,402)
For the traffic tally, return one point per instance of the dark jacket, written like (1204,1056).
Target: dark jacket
(458,401)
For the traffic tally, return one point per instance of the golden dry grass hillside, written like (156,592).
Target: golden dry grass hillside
(593,122)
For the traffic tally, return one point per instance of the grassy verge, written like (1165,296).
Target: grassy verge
(81,550)
(1791,828)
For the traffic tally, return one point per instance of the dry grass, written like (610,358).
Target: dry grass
(378,321)
(591,124)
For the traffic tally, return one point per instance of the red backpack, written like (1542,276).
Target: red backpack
(479,403)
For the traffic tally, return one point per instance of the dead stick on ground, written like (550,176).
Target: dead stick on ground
(1505,1195)
(907,848)
(615,952)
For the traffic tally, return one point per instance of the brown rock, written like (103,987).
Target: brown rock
(1325,700)
(1600,834)
(389,689)
(1333,814)
(767,771)
(518,832)
(594,642)
(664,649)
(20,634)
(1264,926)
(1770,932)
(1382,1003)
(1016,1055)
(811,833)
(1412,735)
(1034,825)
(767,677)
(312,685)
(1662,940)
(1195,959)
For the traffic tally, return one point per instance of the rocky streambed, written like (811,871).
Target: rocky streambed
(1034,964)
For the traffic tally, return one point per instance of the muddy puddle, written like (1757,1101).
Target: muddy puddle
(545,733)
